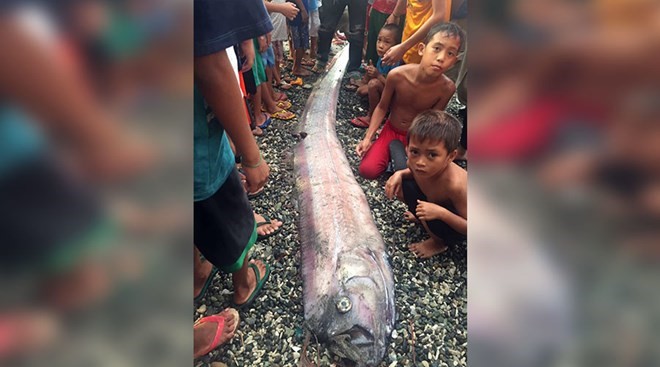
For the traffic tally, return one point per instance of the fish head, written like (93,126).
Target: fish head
(363,313)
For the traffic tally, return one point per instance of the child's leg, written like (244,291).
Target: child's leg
(375,88)
(259,117)
(376,159)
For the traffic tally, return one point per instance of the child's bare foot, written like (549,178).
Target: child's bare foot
(410,217)
(208,335)
(427,248)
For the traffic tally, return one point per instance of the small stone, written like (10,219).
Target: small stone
(307,86)
(394,334)
(218,364)
(201,309)
(250,321)
(425,363)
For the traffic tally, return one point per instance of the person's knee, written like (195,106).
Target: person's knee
(356,34)
(375,84)
(369,171)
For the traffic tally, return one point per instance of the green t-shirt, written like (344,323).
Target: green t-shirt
(213,157)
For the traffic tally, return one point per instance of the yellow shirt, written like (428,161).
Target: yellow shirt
(417,12)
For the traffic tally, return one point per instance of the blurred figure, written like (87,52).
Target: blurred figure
(62,152)
(563,139)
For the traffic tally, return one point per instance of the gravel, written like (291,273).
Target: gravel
(431,295)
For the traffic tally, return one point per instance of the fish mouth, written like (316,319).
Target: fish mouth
(353,343)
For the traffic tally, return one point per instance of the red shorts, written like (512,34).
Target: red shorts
(377,157)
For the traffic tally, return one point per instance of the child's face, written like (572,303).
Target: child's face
(440,54)
(386,39)
(428,158)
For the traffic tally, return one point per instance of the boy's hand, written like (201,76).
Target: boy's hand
(247,49)
(428,211)
(372,72)
(393,185)
(393,55)
(256,177)
(363,147)
(289,10)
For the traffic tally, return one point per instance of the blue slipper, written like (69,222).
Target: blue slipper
(208,282)
(260,284)
(267,122)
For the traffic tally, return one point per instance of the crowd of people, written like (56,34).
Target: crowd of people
(240,87)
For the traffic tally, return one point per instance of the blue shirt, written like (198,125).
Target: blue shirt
(312,5)
(223,23)
(384,69)
(19,139)
(213,158)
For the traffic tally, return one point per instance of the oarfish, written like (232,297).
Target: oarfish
(348,289)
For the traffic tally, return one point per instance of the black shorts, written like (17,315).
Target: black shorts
(412,193)
(224,225)
(47,220)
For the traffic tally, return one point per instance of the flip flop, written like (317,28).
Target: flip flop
(361,122)
(260,284)
(252,195)
(266,221)
(297,81)
(285,105)
(351,87)
(267,122)
(207,283)
(220,320)
(283,115)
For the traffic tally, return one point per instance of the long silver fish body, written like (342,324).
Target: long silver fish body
(348,288)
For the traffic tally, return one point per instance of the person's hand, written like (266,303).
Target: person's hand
(256,175)
(392,19)
(363,147)
(372,72)
(305,17)
(393,185)
(289,10)
(247,49)
(394,55)
(263,43)
(428,211)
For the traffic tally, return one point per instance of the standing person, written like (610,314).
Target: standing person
(224,226)
(280,11)
(314,24)
(330,14)
(300,37)
(380,11)
(421,16)
(409,90)
(433,187)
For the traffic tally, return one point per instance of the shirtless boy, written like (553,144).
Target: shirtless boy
(433,187)
(409,90)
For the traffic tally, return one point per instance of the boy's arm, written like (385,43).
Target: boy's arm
(399,10)
(287,9)
(430,211)
(212,73)
(395,54)
(379,113)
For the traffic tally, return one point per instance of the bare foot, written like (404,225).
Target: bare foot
(267,228)
(301,72)
(427,248)
(410,217)
(200,275)
(242,295)
(204,333)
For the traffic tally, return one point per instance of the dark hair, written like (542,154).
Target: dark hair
(450,29)
(393,27)
(437,126)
